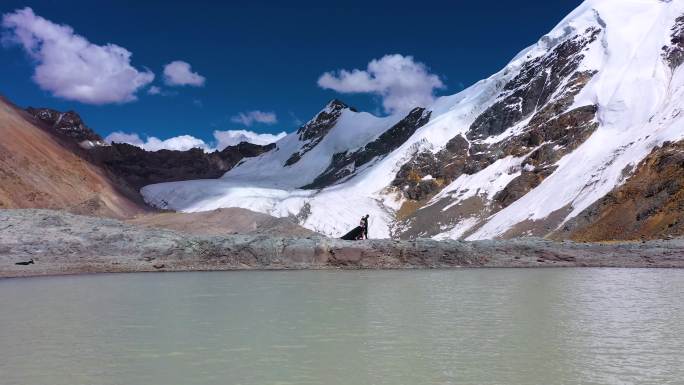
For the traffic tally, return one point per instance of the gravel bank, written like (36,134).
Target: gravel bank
(62,243)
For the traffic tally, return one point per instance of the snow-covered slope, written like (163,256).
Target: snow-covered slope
(519,153)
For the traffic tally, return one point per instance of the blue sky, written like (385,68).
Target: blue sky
(268,56)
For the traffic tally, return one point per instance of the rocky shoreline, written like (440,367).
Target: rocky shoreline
(62,243)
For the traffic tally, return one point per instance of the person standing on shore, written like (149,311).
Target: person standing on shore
(359,232)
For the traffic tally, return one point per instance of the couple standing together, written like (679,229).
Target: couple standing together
(359,232)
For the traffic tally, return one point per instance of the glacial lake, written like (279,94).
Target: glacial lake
(479,327)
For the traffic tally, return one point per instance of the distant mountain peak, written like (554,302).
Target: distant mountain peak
(337,104)
(68,124)
(315,129)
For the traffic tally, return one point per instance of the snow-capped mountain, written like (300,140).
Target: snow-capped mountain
(528,151)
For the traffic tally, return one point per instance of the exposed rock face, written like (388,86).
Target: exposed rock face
(535,104)
(68,124)
(315,130)
(531,92)
(139,167)
(675,52)
(532,89)
(650,204)
(521,185)
(427,172)
(345,164)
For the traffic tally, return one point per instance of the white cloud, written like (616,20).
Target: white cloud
(179,73)
(154,90)
(401,82)
(186,142)
(69,66)
(180,143)
(233,137)
(256,116)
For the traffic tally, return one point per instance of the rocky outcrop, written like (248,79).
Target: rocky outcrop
(427,172)
(648,205)
(68,124)
(345,164)
(521,185)
(139,167)
(533,87)
(61,243)
(315,130)
(674,53)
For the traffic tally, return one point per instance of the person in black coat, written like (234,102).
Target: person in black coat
(359,232)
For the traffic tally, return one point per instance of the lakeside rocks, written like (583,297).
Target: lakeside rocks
(62,243)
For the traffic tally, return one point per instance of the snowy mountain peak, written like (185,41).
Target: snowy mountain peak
(322,122)
(337,104)
(523,152)
(315,129)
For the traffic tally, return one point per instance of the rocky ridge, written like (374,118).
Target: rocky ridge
(139,167)
(136,167)
(68,124)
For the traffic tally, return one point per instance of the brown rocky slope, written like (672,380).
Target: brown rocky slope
(52,159)
(649,205)
(39,170)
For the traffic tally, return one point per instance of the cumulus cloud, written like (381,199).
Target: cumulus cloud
(69,66)
(222,139)
(256,116)
(179,73)
(233,137)
(400,81)
(180,143)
